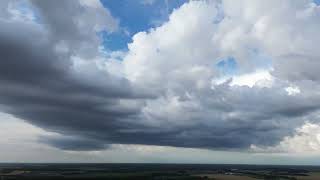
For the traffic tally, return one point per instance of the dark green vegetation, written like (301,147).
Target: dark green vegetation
(154,171)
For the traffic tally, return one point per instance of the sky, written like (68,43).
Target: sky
(160,81)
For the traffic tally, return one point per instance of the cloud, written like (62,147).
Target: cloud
(305,140)
(54,75)
(180,57)
(76,24)
(72,143)
(147,2)
(258,78)
(47,88)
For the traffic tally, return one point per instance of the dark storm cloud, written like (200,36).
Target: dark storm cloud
(73,143)
(91,109)
(39,85)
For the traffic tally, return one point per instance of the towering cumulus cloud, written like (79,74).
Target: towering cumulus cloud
(233,75)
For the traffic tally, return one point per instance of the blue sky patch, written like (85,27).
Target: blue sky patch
(136,16)
(114,41)
(227,66)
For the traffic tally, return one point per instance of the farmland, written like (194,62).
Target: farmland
(156,172)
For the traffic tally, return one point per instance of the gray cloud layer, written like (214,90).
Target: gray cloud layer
(166,96)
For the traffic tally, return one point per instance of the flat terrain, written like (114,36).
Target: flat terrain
(311,176)
(225,177)
(156,172)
